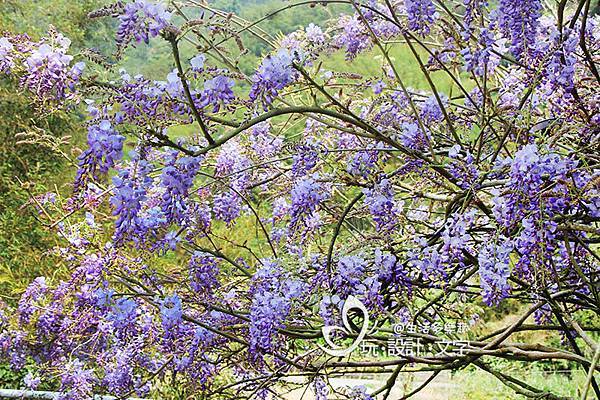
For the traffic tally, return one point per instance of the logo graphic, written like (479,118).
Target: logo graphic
(328,331)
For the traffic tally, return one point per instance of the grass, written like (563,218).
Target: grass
(476,385)
(370,64)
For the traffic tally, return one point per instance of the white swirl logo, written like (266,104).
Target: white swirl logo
(338,351)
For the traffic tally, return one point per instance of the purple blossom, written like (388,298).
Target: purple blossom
(198,218)
(421,15)
(6,55)
(131,186)
(204,272)
(217,91)
(177,178)
(233,163)
(50,75)
(31,381)
(560,70)
(378,86)
(195,362)
(360,393)
(431,110)
(473,11)
(263,142)
(141,20)
(314,34)
(119,373)
(412,137)
(481,60)
(519,22)
(354,36)
(380,201)
(463,169)
(227,206)
(77,383)
(320,388)
(363,163)
(268,313)
(304,159)
(105,149)
(494,271)
(281,208)
(273,293)
(529,171)
(274,74)
(434,261)
(123,316)
(197,63)
(307,195)
(171,312)
(349,275)
(28,300)
(390,270)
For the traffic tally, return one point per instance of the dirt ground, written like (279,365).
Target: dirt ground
(442,387)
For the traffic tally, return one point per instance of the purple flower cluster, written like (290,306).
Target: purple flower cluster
(273,293)
(381,204)
(307,195)
(494,271)
(473,11)
(529,172)
(421,15)
(118,376)
(390,270)
(363,163)
(227,206)
(195,361)
(430,109)
(45,68)
(177,178)
(560,70)
(217,91)
(171,313)
(141,20)
(6,55)
(519,22)
(263,142)
(305,158)
(481,60)
(314,34)
(105,148)
(275,73)
(232,163)
(32,294)
(204,272)
(320,388)
(123,316)
(349,275)
(197,63)
(77,382)
(434,261)
(354,36)
(463,169)
(412,136)
(360,393)
(131,186)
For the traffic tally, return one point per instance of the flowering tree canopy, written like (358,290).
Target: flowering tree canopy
(304,184)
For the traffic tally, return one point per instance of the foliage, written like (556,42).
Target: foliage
(29,165)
